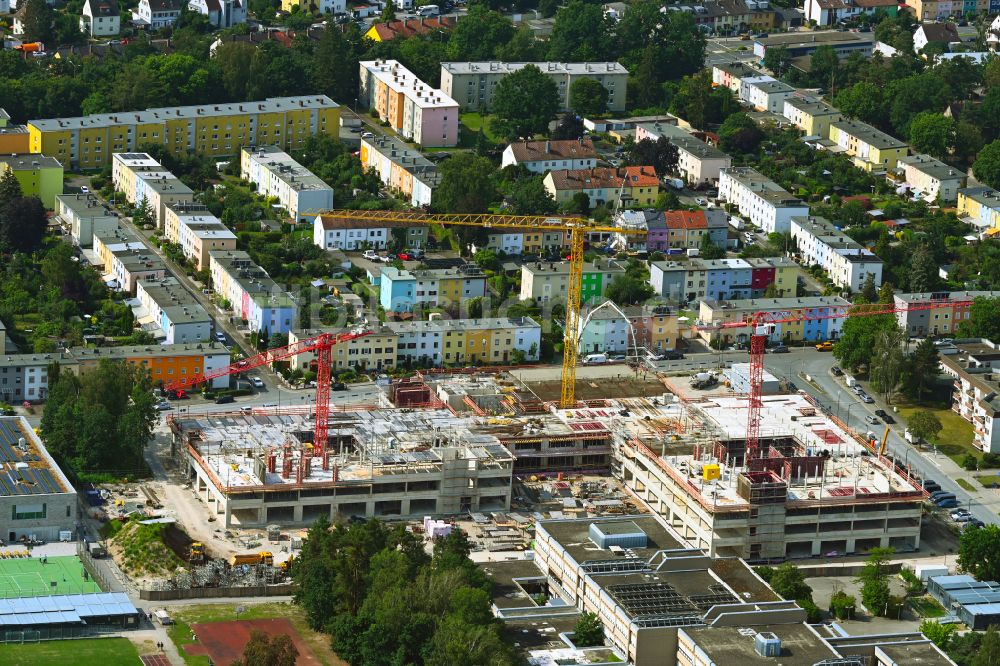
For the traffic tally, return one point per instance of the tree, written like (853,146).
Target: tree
(986,168)
(983,320)
(989,648)
(570,127)
(789,581)
(932,133)
(660,154)
(38,21)
(709,250)
(825,67)
(864,101)
(923,269)
(270,651)
(580,34)
(939,634)
(967,142)
(778,60)
(924,425)
(842,605)
(739,133)
(628,290)
(22,224)
(479,35)
(588,97)
(589,631)
(524,103)
(466,186)
(772,291)
(10,188)
(335,66)
(886,293)
(143,213)
(921,370)
(868,290)
(874,579)
(979,552)
(529,197)
(388,12)
(857,338)
(888,361)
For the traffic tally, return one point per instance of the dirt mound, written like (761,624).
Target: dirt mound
(148,549)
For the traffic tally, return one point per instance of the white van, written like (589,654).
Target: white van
(595,359)
(428,10)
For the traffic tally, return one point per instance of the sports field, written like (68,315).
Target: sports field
(29,577)
(84,652)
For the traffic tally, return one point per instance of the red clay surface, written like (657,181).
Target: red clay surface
(154,660)
(223,642)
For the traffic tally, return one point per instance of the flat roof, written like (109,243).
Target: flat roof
(144,351)
(438,325)
(574,536)
(834,39)
(30,162)
(927,296)
(812,106)
(287,170)
(773,86)
(504,575)
(763,186)
(403,156)
(31,360)
(84,205)
(562,267)
(176,302)
(163,114)
(393,74)
(868,134)
(252,279)
(984,196)
(27,470)
(779,304)
(548,67)
(929,166)
(800,644)
(827,233)
(915,654)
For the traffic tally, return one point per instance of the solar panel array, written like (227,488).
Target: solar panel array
(23,480)
(61,609)
(662,600)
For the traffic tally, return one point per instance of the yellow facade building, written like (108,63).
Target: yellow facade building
(89,142)
(869,148)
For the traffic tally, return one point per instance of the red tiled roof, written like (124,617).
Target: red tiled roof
(582,179)
(411,27)
(533,151)
(686,219)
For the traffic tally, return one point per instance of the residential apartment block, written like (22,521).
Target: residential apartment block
(165,363)
(170,312)
(276,174)
(141,178)
(765,203)
(125,259)
(197,231)
(221,14)
(932,179)
(830,12)
(403,290)
(543,156)
(38,175)
(937,10)
(157,14)
(84,214)
(463,341)
(768,94)
(424,115)
(976,395)
(100,18)
(846,262)
(545,282)
(981,207)
(815,318)
(699,163)
(375,351)
(811,115)
(404,170)
(25,377)
(731,75)
(543,243)
(13,138)
(213,129)
(721,279)
(951,309)
(251,293)
(341,233)
(472,84)
(672,229)
(623,187)
(870,149)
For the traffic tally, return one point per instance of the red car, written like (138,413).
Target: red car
(404,256)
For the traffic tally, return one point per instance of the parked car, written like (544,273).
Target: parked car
(975,522)
(858,390)
(938,494)
(871,420)
(163,406)
(701,201)
(884,415)
(947,503)
(224,400)
(404,256)
(865,398)
(673,355)
(927,483)
(837,372)
(370,254)
(84,189)
(220,336)
(780,349)
(338,386)
(257,382)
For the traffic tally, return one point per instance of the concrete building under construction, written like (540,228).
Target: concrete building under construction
(815,489)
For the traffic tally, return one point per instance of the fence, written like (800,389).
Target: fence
(95,572)
(58,633)
(283,589)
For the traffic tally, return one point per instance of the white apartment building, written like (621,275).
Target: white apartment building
(542,156)
(931,179)
(170,312)
(100,18)
(846,262)
(336,233)
(251,293)
(472,84)
(276,174)
(976,397)
(764,95)
(125,259)
(141,178)
(699,163)
(221,13)
(157,14)
(424,115)
(761,200)
(84,214)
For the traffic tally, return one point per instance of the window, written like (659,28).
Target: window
(28,512)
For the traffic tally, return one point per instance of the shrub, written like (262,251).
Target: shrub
(970,462)
(813,613)
(842,605)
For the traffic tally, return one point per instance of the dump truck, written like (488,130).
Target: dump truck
(251,558)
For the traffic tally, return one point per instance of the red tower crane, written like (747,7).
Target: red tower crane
(321,344)
(759,325)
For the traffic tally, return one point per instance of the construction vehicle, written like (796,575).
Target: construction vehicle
(287,564)
(262,557)
(197,553)
(762,325)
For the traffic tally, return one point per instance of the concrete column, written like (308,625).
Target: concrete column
(850,545)
(816,547)
(404,505)
(370,509)
(297,513)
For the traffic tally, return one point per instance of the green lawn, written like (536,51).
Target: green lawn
(470,124)
(955,438)
(968,485)
(927,606)
(988,480)
(83,652)
(180,631)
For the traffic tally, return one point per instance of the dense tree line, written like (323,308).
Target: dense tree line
(385,601)
(100,422)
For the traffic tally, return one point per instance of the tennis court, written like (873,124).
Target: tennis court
(30,577)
